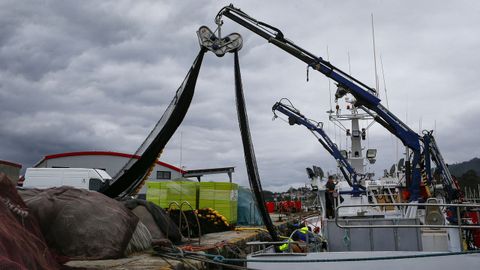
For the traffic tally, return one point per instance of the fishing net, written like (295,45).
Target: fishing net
(22,245)
(132,175)
(249,152)
(156,219)
(81,224)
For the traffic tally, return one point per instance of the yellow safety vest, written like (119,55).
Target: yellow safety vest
(285,246)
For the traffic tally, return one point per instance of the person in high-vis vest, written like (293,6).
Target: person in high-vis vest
(285,246)
(300,233)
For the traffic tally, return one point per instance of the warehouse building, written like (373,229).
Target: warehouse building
(11,169)
(111,162)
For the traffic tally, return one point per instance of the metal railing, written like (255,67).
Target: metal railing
(259,248)
(311,243)
(457,225)
(182,214)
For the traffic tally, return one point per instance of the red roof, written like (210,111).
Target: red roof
(106,153)
(4,162)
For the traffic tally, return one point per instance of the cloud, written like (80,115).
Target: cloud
(84,75)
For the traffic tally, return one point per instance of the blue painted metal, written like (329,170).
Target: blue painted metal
(295,117)
(364,94)
(426,156)
(432,152)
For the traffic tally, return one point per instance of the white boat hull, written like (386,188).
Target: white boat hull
(390,260)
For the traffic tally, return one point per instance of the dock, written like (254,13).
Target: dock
(221,243)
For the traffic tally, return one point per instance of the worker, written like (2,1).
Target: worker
(300,234)
(303,234)
(285,246)
(330,196)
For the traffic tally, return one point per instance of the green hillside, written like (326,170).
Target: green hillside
(467,173)
(458,169)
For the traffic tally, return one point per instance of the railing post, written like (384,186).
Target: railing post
(459,223)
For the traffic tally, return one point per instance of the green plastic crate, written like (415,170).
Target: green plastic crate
(164,193)
(221,196)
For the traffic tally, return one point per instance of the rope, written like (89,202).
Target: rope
(215,259)
(251,229)
(147,175)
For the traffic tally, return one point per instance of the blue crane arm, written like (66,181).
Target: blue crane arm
(365,96)
(431,151)
(295,117)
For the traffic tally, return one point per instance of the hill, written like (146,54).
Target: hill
(458,169)
(467,173)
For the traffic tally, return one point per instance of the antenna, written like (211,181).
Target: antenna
(388,106)
(349,64)
(375,58)
(329,84)
(384,81)
(181,148)
(406,112)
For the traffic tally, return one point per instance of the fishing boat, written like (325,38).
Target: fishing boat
(410,218)
(376,228)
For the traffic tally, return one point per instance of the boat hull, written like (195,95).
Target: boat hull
(391,260)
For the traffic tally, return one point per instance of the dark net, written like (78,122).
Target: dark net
(249,152)
(132,175)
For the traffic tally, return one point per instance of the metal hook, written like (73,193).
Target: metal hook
(219,23)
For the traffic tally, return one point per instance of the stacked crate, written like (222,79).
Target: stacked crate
(220,196)
(164,193)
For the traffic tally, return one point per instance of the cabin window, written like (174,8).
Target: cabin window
(164,175)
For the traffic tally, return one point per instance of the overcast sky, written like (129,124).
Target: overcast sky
(97,75)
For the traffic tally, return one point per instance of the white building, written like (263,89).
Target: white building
(111,162)
(11,169)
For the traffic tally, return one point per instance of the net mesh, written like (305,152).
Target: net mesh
(134,172)
(249,152)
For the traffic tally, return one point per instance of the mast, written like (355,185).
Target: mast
(377,86)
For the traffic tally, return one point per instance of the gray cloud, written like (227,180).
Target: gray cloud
(95,75)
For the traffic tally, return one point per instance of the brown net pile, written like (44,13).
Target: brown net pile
(81,224)
(22,245)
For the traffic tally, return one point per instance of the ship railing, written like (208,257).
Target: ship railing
(461,223)
(311,243)
(259,248)
(458,210)
(268,248)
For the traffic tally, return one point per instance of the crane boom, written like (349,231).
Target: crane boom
(295,117)
(365,96)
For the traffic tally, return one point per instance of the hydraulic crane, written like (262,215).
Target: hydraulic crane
(295,117)
(422,147)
